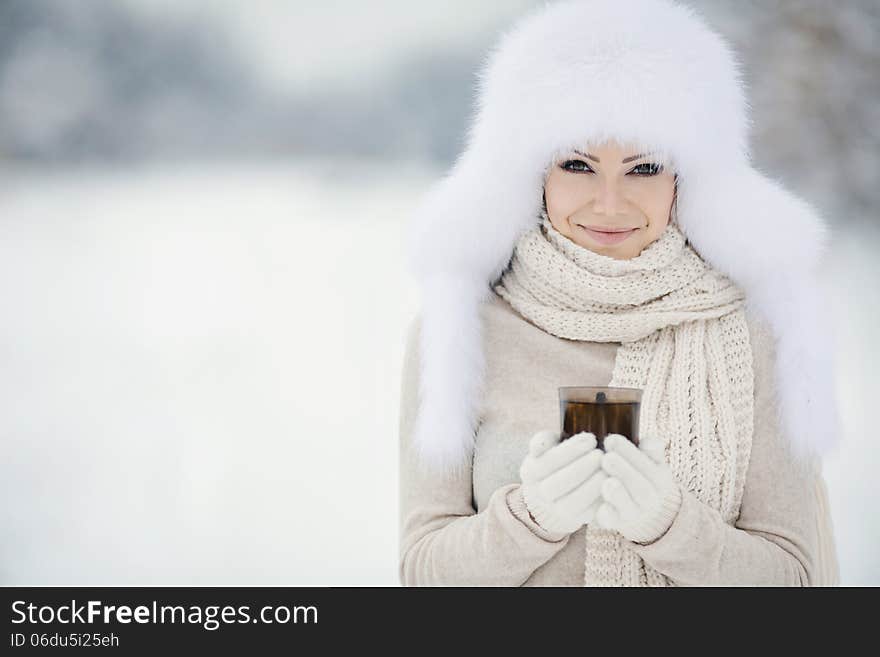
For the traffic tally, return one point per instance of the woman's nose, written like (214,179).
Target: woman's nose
(607,198)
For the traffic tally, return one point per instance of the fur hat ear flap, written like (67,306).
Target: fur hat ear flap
(774,244)
(452,369)
(797,309)
(459,241)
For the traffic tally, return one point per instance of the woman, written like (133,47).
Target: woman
(597,118)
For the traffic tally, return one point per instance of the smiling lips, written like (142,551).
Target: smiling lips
(608,235)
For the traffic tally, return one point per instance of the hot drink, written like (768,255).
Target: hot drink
(600,410)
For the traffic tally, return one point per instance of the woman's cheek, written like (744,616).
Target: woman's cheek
(654,198)
(569,196)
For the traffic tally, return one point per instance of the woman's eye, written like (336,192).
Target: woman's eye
(647,169)
(576,165)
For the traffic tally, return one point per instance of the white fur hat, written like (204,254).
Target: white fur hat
(649,73)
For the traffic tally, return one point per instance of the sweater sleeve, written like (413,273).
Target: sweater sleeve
(775,539)
(443,540)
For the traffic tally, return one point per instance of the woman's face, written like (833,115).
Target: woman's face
(609,199)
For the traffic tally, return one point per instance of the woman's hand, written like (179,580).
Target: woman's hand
(641,497)
(562,481)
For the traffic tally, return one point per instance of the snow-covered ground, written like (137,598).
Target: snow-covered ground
(200,374)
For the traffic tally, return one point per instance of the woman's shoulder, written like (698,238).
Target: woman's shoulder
(496,315)
(496,311)
(501,319)
(501,328)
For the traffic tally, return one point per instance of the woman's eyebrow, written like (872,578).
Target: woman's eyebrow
(624,161)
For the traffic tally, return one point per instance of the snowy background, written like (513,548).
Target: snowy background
(201,272)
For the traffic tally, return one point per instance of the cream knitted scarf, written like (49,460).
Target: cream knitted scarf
(684,342)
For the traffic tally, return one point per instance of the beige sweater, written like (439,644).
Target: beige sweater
(474,529)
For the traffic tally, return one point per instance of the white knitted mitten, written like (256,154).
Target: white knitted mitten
(562,481)
(641,497)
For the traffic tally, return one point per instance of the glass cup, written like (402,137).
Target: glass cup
(600,410)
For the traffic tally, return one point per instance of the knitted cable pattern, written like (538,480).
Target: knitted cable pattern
(684,342)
